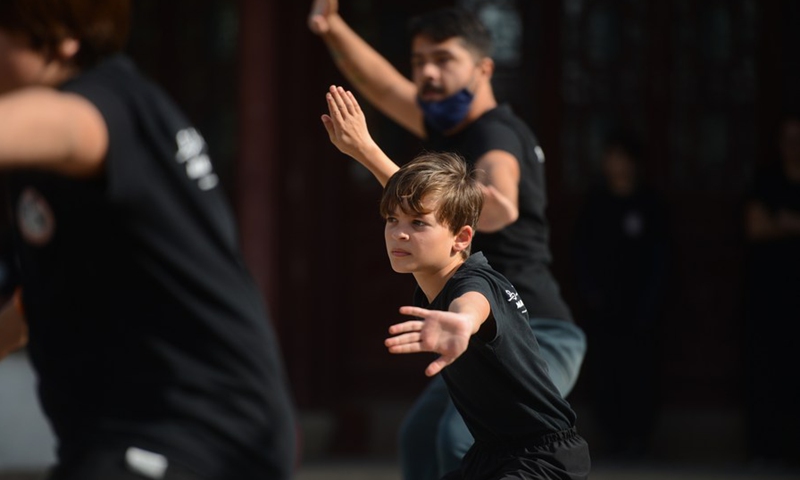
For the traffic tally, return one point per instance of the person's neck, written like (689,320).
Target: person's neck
(432,283)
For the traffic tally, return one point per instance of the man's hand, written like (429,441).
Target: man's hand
(445,333)
(346,124)
(321,10)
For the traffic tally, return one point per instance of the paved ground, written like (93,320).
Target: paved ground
(387,471)
(382,470)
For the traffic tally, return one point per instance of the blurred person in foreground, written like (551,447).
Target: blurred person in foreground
(152,347)
(772,230)
(449,103)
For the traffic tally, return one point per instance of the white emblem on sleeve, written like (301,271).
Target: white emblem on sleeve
(539,153)
(35,218)
(513,297)
(191,147)
(148,464)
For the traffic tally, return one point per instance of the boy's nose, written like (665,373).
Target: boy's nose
(400,235)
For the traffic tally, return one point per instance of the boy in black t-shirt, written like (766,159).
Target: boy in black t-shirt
(467,313)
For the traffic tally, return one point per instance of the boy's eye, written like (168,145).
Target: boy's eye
(390,219)
(419,223)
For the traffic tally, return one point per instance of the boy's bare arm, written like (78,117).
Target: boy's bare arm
(13,330)
(368,71)
(347,129)
(46,129)
(446,333)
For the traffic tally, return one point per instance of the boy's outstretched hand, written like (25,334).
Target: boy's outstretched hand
(445,333)
(346,124)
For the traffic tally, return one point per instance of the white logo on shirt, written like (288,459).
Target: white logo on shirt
(198,164)
(539,153)
(35,218)
(514,297)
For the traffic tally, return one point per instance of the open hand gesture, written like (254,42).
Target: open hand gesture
(445,333)
(346,124)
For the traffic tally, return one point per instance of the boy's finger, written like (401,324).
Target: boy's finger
(327,122)
(407,348)
(405,327)
(348,100)
(414,311)
(436,366)
(412,337)
(356,106)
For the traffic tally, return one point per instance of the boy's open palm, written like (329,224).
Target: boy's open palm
(346,124)
(445,333)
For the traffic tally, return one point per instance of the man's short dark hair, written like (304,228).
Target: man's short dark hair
(440,25)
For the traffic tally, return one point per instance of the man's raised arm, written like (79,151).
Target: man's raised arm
(366,69)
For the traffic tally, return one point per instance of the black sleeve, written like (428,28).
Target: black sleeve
(121,133)
(494,136)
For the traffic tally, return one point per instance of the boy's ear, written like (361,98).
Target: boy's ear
(463,239)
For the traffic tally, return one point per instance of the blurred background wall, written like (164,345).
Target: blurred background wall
(702,84)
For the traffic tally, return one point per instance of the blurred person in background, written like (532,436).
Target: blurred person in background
(772,230)
(621,247)
(152,347)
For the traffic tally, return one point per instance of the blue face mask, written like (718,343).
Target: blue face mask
(446,114)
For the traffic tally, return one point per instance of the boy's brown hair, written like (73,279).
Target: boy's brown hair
(446,177)
(101,26)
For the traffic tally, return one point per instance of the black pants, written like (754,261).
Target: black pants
(109,463)
(559,456)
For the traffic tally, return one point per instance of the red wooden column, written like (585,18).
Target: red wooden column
(257,179)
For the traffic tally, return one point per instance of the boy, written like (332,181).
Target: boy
(152,347)
(466,312)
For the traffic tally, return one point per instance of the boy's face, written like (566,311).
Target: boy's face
(418,243)
(20,65)
(441,70)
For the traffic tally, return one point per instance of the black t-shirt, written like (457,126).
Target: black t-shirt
(145,327)
(500,386)
(519,251)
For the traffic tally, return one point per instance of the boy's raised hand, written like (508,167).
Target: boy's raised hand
(346,124)
(443,332)
(320,11)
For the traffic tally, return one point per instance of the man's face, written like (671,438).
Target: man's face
(441,69)
(20,65)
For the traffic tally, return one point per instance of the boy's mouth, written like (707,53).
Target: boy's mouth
(397,252)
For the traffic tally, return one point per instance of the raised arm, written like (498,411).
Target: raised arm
(446,333)
(366,69)
(45,129)
(347,129)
